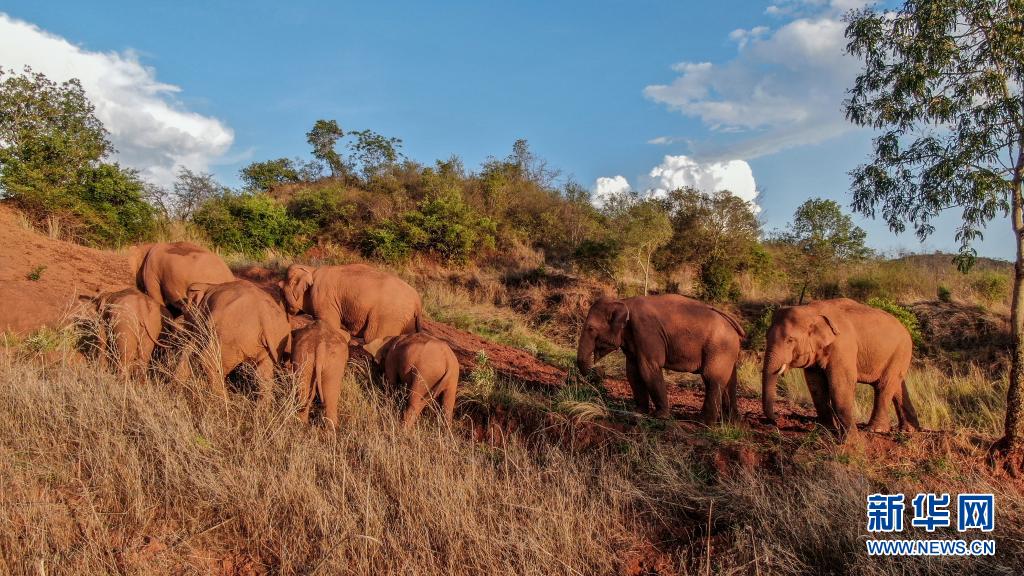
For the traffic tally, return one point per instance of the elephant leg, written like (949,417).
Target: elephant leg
(304,387)
(654,378)
(905,412)
(884,394)
(331,393)
(817,385)
(450,395)
(265,379)
(841,387)
(719,391)
(730,401)
(641,398)
(417,399)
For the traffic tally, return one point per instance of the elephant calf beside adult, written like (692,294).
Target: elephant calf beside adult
(839,343)
(666,332)
(362,300)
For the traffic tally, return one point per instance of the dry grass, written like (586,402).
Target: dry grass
(103,477)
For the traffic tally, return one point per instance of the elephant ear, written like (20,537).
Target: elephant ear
(345,336)
(377,348)
(618,319)
(825,331)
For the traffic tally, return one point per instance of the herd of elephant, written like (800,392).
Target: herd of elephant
(181,288)
(187,298)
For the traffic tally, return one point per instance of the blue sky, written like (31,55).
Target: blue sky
(744,93)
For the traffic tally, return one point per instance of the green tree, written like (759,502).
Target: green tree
(642,226)
(717,233)
(374,152)
(825,238)
(250,223)
(52,148)
(323,137)
(190,190)
(942,80)
(263,176)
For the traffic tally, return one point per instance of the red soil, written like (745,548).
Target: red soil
(62,271)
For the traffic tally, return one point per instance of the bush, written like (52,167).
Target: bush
(251,223)
(718,282)
(944,294)
(443,225)
(864,287)
(905,316)
(991,286)
(385,243)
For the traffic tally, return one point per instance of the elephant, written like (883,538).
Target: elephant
(249,326)
(165,270)
(366,302)
(839,343)
(425,365)
(129,328)
(666,331)
(319,356)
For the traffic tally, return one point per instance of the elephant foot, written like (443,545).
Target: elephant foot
(879,427)
(663,414)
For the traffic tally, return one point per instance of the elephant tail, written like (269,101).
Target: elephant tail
(732,322)
(319,358)
(418,320)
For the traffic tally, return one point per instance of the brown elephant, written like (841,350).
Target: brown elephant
(129,328)
(671,332)
(319,356)
(361,299)
(839,343)
(250,327)
(165,270)
(424,365)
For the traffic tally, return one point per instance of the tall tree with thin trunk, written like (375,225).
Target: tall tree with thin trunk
(942,80)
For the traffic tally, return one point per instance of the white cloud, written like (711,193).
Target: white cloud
(609,186)
(784,87)
(682,171)
(152,131)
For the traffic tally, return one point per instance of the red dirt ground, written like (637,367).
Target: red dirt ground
(25,304)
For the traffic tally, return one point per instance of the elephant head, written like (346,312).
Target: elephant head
(296,286)
(602,333)
(796,339)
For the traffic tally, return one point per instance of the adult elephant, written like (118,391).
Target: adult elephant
(666,332)
(839,343)
(165,270)
(249,326)
(364,301)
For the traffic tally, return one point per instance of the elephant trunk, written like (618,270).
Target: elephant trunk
(774,367)
(585,355)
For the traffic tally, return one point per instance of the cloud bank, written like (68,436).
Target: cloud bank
(152,131)
(681,172)
(784,87)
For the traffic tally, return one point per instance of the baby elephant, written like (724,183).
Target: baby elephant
(426,366)
(319,356)
(130,324)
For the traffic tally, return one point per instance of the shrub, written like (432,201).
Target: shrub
(443,225)
(864,287)
(250,223)
(991,286)
(905,316)
(717,282)
(385,243)
(757,334)
(944,294)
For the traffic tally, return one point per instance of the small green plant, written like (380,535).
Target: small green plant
(905,316)
(36,273)
(482,379)
(758,331)
(991,287)
(944,294)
